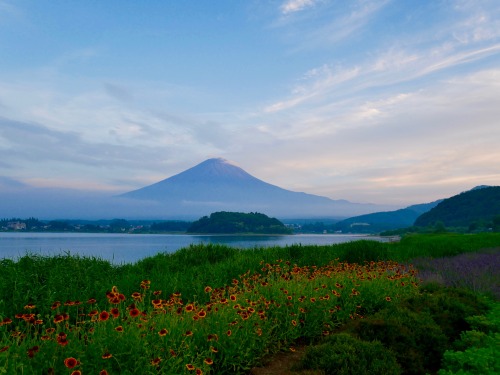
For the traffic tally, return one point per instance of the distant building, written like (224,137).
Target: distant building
(16,225)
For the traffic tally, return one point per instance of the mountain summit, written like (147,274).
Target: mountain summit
(219,185)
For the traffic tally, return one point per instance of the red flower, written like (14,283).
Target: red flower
(163,332)
(190,367)
(115,312)
(134,313)
(107,355)
(71,362)
(103,372)
(103,316)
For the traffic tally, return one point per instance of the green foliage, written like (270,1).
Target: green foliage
(476,351)
(346,355)
(417,341)
(238,222)
(463,209)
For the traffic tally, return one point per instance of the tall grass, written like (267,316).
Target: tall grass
(205,308)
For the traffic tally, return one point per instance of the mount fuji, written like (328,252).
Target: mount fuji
(219,185)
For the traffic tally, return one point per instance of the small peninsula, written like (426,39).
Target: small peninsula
(238,223)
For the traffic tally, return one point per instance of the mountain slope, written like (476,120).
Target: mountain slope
(382,221)
(219,185)
(479,204)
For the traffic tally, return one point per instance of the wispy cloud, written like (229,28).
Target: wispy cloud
(292,6)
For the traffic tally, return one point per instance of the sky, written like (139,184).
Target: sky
(388,102)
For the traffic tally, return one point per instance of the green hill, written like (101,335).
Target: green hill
(383,221)
(476,207)
(238,223)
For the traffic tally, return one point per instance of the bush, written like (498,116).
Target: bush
(416,339)
(344,354)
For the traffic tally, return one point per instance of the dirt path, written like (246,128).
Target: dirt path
(282,364)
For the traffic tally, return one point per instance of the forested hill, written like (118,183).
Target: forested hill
(237,222)
(481,205)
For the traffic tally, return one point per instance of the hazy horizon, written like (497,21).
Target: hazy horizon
(372,101)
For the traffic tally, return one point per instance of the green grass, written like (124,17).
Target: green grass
(281,294)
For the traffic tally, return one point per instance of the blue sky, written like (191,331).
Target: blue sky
(390,102)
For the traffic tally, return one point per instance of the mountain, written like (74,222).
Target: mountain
(383,221)
(219,185)
(479,205)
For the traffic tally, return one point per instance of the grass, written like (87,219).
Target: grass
(203,309)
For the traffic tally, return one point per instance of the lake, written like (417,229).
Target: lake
(129,248)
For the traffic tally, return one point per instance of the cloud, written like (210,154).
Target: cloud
(292,6)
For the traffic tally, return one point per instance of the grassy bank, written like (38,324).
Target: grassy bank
(203,309)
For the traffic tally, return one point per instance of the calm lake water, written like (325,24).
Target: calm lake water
(129,248)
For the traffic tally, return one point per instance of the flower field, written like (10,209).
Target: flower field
(202,310)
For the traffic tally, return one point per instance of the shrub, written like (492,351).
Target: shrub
(416,339)
(344,354)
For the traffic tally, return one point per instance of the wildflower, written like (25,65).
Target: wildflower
(115,312)
(292,349)
(163,332)
(91,301)
(134,313)
(6,321)
(30,306)
(190,367)
(208,289)
(103,372)
(107,355)
(156,361)
(214,350)
(312,299)
(228,332)
(208,361)
(294,323)
(71,362)
(55,305)
(188,333)
(189,307)
(232,297)
(388,299)
(50,330)
(76,372)
(92,313)
(103,316)
(119,329)
(213,337)
(45,338)
(199,371)
(173,353)
(4,349)
(202,314)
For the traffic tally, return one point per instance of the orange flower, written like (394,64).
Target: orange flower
(107,355)
(199,371)
(229,333)
(202,313)
(103,316)
(208,289)
(55,305)
(212,337)
(119,329)
(163,332)
(294,323)
(188,333)
(232,297)
(190,367)
(189,307)
(209,361)
(71,362)
(388,299)
(30,306)
(157,292)
(214,350)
